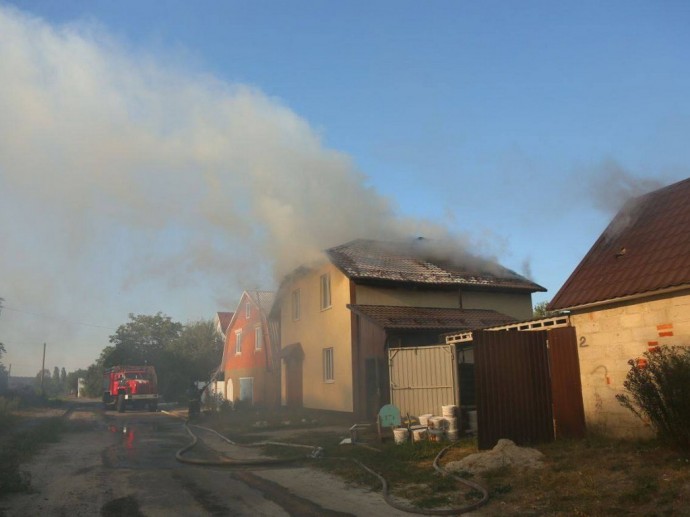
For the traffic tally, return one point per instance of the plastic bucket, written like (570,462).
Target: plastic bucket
(452,435)
(400,434)
(452,424)
(437,422)
(419,433)
(424,419)
(449,411)
(436,435)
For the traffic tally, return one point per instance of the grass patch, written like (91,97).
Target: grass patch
(20,443)
(595,476)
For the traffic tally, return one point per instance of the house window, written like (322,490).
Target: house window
(258,338)
(325,291)
(295,305)
(328,375)
(248,310)
(238,342)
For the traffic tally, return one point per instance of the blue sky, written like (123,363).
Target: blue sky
(518,127)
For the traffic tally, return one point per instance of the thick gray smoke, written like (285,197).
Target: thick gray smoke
(118,173)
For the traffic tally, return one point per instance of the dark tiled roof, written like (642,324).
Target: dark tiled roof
(423,262)
(645,248)
(224,318)
(393,317)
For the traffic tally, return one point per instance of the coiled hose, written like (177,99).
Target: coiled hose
(316,452)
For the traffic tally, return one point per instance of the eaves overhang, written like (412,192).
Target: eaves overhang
(622,299)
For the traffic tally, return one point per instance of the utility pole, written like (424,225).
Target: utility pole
(43,370)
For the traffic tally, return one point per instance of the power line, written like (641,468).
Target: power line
(58,318)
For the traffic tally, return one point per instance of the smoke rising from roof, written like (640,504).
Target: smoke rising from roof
(612,186)
(614,190)
(117,173)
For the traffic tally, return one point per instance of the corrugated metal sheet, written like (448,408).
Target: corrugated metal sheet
(645,248)
(513,389)
(566,388)
(423,379)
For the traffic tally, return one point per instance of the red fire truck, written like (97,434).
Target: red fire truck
(135,386)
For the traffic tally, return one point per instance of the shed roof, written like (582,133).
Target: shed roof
(424,262)
(645,248)
(393,317)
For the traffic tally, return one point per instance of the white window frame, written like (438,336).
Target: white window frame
(248,310)
(325,291)
(238,342)
(296,305)
(328,365)
(258,338)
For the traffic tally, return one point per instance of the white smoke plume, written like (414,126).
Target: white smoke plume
(117,172)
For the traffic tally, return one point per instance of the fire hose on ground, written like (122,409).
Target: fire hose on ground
(317,453)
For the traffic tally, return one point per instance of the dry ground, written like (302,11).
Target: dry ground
(595,476)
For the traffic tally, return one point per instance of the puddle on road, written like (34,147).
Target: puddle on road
(138,444)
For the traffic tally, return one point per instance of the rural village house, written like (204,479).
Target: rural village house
(338,319)
(250,368)
(630,293)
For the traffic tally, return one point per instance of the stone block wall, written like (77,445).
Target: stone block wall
(608,337)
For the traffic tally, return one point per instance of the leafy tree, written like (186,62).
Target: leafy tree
(540,310)
(142,340)
(658,391)
(63,380)
(201,347)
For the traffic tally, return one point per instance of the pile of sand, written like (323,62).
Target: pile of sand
(504,453)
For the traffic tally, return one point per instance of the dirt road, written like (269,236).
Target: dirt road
(124,464)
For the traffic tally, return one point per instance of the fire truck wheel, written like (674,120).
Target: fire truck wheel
(121,403)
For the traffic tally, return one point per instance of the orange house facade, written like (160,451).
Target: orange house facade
(248,359)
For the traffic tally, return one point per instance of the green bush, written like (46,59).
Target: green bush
(658,392)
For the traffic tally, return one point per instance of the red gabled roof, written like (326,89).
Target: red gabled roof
(424,263)
(646,248)
(392,317)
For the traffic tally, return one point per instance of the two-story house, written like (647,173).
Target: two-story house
(249,363)
(337,319)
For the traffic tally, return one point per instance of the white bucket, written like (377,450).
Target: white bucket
(452,435)
(473,421)
(419,433)
(424,419)
(436,435)
(400,434)
(449,411)
(437,422)
(452,424)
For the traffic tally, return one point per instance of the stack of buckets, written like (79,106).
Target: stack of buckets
(433,428)
(437,428)
(450,415)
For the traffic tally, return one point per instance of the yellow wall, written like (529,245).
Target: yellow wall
(367,295)
(519,306)
(318,329)
(608,338)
